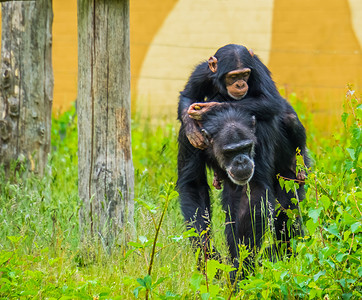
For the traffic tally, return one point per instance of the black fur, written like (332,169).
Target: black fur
(278,132)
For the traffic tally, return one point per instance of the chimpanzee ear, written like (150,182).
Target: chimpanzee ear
(213,64)
(206,135)
(251,52)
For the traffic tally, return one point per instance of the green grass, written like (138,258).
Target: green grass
(40,256)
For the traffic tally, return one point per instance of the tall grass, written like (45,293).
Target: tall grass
(39,241)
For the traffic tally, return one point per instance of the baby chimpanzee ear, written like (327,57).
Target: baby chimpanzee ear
(213,64)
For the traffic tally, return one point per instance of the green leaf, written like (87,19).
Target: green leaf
(319,274)
(284,289)
(145,282)
(148,281)
(340,256)
(314,213)
(135,244)
(195,281)
(190,233)
(325,201)
(348,219)
(347,296)
(344,117)
(359,270)
(159,281)
(174,194)
(333,229)
(137,290)
(15,239)
(205,296)
(213,290)
(355,227)
(311,226)
(351,153)
(346,235)
(281,182)
(282,276)
(150,207)
(312,293)
(212,267)
(289,185)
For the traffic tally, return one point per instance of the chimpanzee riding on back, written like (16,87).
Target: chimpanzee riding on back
(231,103)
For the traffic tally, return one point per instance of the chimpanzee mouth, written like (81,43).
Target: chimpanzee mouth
(238,95)
(240,180)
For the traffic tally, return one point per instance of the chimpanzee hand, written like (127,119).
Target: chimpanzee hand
(196,110)
(301,175)
(217,182)
(193,133)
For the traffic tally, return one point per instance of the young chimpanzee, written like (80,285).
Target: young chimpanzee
(235,77)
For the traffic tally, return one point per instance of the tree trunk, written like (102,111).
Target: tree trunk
(104,137)
(26,83)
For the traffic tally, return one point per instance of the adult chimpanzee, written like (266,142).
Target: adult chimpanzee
(235,154)
(235,77)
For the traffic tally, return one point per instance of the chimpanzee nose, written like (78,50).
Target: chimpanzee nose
(240,84)
(241,160)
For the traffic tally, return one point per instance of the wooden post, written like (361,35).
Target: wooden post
(106,180)
(26,81)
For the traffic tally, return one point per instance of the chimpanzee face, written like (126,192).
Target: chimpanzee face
(233,148)
(232,66)
(236,83)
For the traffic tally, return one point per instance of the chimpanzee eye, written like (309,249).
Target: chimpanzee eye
(230,154)
(248,148)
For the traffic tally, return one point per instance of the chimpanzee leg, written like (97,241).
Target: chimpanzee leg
(193,189)
(284,228)
(253,216)
(231,198)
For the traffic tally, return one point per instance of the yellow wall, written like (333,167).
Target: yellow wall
(312,48)
(65,53)
(316,52)
(146,19)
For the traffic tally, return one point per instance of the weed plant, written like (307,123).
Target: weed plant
(40,257)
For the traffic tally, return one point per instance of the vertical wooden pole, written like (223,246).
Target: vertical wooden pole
(26,82)
(106,179)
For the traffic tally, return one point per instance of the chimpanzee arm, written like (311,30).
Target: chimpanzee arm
(193,188)
(197,88)
(294,128)
(262,108)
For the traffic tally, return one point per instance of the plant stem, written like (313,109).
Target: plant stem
(158,228)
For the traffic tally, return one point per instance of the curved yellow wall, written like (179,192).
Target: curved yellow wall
(312,48)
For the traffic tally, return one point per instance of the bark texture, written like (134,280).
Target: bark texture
(26,83)
(106,180)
